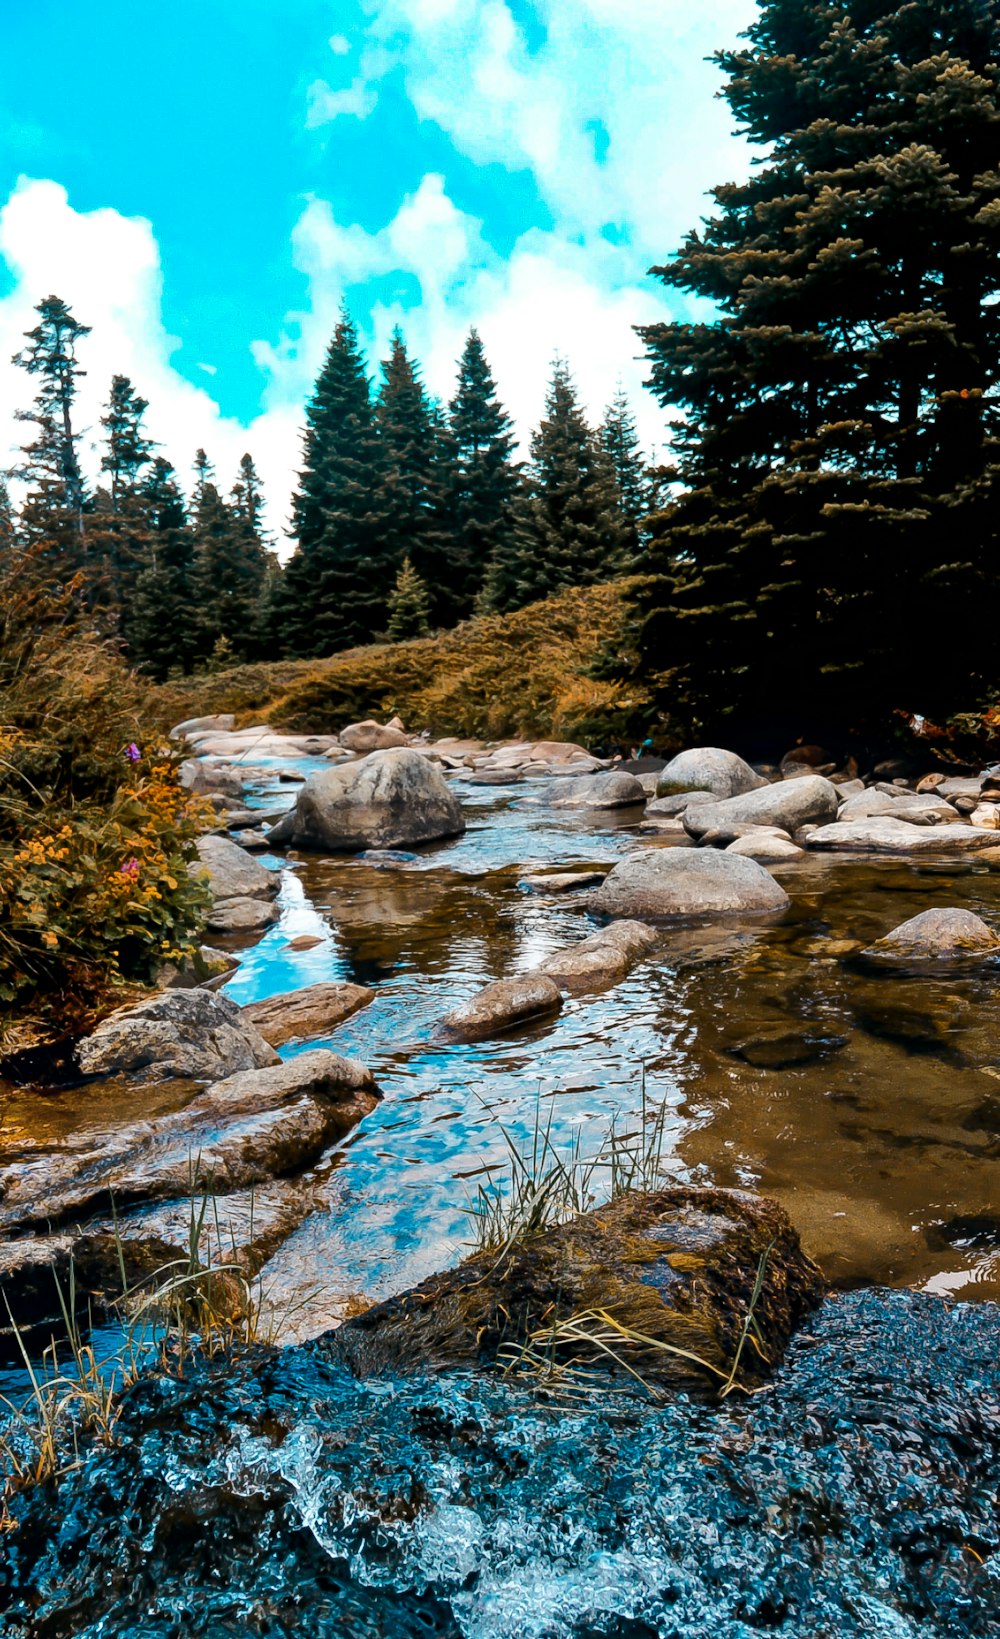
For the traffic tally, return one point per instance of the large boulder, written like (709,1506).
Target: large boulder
(601,791)
(241,915)
(314,1010)
(391,799)
(371,736)
(708,768)
(895,836)
(232,873)
(942,934)
(667,883)
(601,960)
(178,1033)
(809,800)
(503,1005)
(676,1270)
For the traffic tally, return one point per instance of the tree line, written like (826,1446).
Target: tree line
(408,515)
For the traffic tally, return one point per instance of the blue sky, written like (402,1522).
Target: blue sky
(206,182)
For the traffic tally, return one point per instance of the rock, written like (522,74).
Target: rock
(784,1047)
(674,806)
(944,934)
(204,965)
(961,786)
(894,836)
(908,806)
(231,872)
(314,1010)
(255,1125)
(601,960)
(558,751)
(847,787)
(396,723)
(200,778)
(502,1006)
(563,881)
(602,791)
(178,1033)
(765,848)
(930,782)
(807,757)
(370,736)
(305,941)
(496,776)
(680,882)
(221,724)
(391,799)
(241,915)
(708,768)
(788,805)
(676,1267)
(986,816)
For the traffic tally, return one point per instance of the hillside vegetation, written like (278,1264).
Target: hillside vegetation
(550,669)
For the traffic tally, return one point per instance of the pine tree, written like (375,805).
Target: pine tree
(621,446)
(408,605)
(161,625)
(568,528)
(337,581)
(118,528)
(53,513)
(7,520)
(412,504)
(838,449)
(484,474)
(230,562)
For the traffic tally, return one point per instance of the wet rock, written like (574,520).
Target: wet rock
(681,882)
(314,1010)
(177,1033)
(676,1267)
(785,1047)
(246,1128)
(502,1006)
(387,859)
(496,776)
(564,881)
(926,1028)
(241,915)
(231,872)
(391,799)
(908,806)
(945,934)
(894,836)
(603,959)
(305,941)
(710,769)
(765,847)
(811,799)
(371,736)
(202,778)
(674,806)
(602,791)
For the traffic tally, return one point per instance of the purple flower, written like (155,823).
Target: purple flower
(132,752)
(130,868)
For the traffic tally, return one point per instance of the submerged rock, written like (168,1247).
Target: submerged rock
(312,1011)
(682,882)
(178,1033)
(676,1268)
(708,768)
(391,799)
(811,799)
(945,934)
(502,1006)
(601,960)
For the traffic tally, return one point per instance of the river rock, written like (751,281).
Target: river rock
(943,934)
(391,799)
(665,883)
(314,1010)
(371,736)
(895,836)
(708,768)
(602,791)
(905,805)
(221,723)
(676,1267)
(765,847)
(241,915)
(232,873)
(202,778)
(178,1033)
(501,1006)
(674,806)
(564,881)
(602,959)
(811,799)
(986,816)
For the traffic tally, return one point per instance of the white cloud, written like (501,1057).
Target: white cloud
(340,45)
(323,104)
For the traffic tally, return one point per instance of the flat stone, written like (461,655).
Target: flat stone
(602,791)
(603,959)
(710,769)
(177,1033)
(314,1010)
(765,848)
(231,872)
(942,934)
(391,799)
(893,836)
(666,883)
(563,881)
(908,806)
(241,915)
(784,1047)
(788,805)
(502,1006)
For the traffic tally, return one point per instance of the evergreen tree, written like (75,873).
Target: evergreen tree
(839,442)
(412,503)
(484,475)
(118,529)
(7,522)
(621,446)
(568,528)
(161,624)
(337,581)
(53,513)
(408,605)
(231,558)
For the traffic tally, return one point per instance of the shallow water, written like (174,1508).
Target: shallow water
(883,1144)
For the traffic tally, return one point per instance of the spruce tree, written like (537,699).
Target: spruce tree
(412,504)
(337,581)
(484,475)
(621,446)
(230,562)
(7,521)
(838,447)
(568,527)
(161,624)
(53,513)
(408,605)
(117,529)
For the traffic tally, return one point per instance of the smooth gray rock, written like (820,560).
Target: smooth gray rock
(201,778)
(601,960)
(501,1006)
(811,799)
(391,799)
(666,883)
(908,806)
(178,1033)
(674,806)
(371,736)
(231,872)
(708,768)
(602,791)
(942,934)
(241,915)
(896,836)
(766,848)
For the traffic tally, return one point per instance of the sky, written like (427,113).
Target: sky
(206,183)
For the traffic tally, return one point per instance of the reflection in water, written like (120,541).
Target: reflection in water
(869,1105)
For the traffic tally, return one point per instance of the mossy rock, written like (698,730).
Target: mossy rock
(676,1268)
